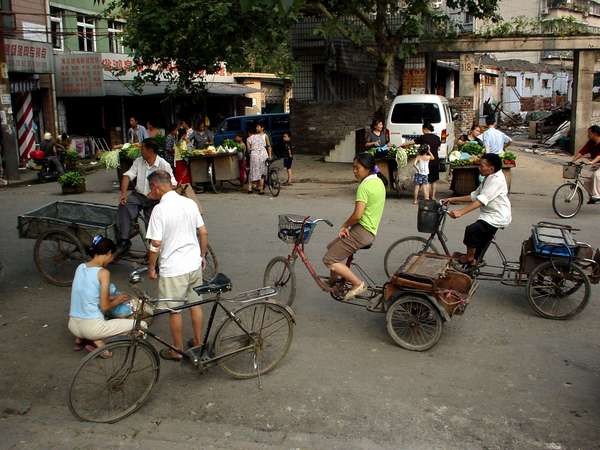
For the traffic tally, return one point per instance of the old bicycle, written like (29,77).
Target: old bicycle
(414,313)
(556,270)
(114,381)
(568,197)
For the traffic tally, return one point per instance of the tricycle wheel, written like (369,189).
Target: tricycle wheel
(413,322)
(57,254)
(397,253)
(212,265)
(558,289)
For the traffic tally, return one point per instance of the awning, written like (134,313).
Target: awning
(125,89)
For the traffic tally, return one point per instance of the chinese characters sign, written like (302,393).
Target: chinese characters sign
(28,56)
(79,75)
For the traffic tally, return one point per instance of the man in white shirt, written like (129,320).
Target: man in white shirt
(494,140)
(178,233)
(491,197)
(131,205)
(137,133)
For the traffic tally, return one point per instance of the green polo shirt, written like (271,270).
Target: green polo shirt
(371,192)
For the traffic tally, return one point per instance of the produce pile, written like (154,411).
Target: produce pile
(112,159)
(470,154)
(228,146)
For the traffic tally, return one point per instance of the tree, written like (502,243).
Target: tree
(385,29)
(183,40)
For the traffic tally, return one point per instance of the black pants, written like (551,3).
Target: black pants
(478,235)
(130,211)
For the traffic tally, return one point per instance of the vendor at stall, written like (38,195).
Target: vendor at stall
(471,136)
(376,136)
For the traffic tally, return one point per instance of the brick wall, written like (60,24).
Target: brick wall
(318,127)
(413,79)
(536,103)
(466,114)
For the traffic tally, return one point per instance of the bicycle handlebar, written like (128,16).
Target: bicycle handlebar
(315,221)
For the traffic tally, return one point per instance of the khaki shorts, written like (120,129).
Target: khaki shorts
(339,249)
(97,329)
(180,288)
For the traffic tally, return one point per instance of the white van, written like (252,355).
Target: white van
(408,113)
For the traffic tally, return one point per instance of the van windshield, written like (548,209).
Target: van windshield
(416,113)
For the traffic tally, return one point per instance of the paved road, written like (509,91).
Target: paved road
(499,378)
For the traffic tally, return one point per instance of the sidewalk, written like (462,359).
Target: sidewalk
(28,176)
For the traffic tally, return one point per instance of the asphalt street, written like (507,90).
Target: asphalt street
(500,377)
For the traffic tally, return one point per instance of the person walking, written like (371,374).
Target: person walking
(433,141)
(177,232)
(421,178)
(139,200)
(494,140)
(137,133)
(259,147)
(288,158)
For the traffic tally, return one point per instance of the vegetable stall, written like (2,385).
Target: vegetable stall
(395,163)
(215,166)
(464,167)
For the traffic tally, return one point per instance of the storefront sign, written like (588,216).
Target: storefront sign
(79,75)
(24,86)
(28,56)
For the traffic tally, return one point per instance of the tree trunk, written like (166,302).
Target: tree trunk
(380,100)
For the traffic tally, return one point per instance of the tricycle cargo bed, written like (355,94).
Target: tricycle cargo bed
(83,219)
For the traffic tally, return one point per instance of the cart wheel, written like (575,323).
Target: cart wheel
(397,253)
(217,186)
(274,183)
(558,290)
(57,254)
(413,322)
(212,265)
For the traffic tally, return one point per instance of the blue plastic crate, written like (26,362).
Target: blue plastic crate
(553,241)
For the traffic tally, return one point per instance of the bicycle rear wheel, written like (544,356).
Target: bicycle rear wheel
(280,274)
(567,200)
(270,331)
(106,389)
(397,253)
(274,183)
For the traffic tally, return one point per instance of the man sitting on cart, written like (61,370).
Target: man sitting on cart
(491,197)
(131,205)
(592,150)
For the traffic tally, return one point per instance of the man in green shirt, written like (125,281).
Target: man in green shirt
(360,229)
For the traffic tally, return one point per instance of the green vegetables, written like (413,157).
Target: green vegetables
(160,140)
(473,148)
(110,159)
(132,152)
(461,163)
(71,155)
(509,156)
(230,143)
(72,178)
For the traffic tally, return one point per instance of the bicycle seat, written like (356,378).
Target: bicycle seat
(219,284)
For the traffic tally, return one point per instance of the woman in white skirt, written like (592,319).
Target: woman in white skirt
(259,148)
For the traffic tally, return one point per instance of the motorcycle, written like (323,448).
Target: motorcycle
(46,169)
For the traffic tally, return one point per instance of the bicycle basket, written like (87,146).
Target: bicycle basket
(569,171)
(429,216)
(290,232)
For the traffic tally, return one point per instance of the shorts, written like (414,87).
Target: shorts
(339,250)
(179,288)
(98,329)
(478,235)
(287,162)
(421,179)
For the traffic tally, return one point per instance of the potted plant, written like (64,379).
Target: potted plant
(72,182)
(71,158)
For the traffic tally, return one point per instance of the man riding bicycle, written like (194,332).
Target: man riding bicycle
(592,150)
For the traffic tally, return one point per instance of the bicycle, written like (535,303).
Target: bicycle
(115,381)
(279,272)
(272,179)
(568,197)
(556,270)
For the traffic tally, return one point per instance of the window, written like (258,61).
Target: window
(56,27)
(115,33)
(416,113)
(231,125)
(85,32)
(546,83)
(511,81)
(529,83)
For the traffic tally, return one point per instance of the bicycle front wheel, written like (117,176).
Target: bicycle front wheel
(280,274)
(567,200)
(114,381)
(257,339)
(274,183)
(397,253)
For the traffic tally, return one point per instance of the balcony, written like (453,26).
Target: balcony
(586,7)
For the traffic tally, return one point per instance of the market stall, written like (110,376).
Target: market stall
(464,168)
(396,165)
(214,166)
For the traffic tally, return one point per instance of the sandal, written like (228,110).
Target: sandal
(170,355)
(261,192)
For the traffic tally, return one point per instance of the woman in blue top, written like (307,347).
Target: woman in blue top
(91,298)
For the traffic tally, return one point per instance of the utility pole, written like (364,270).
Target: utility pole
(9,135)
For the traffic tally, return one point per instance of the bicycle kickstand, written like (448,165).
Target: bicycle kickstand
(257,368)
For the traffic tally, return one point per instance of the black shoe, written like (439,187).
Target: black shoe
(123,247)
(593,201)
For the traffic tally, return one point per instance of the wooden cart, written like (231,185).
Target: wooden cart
(215,170)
